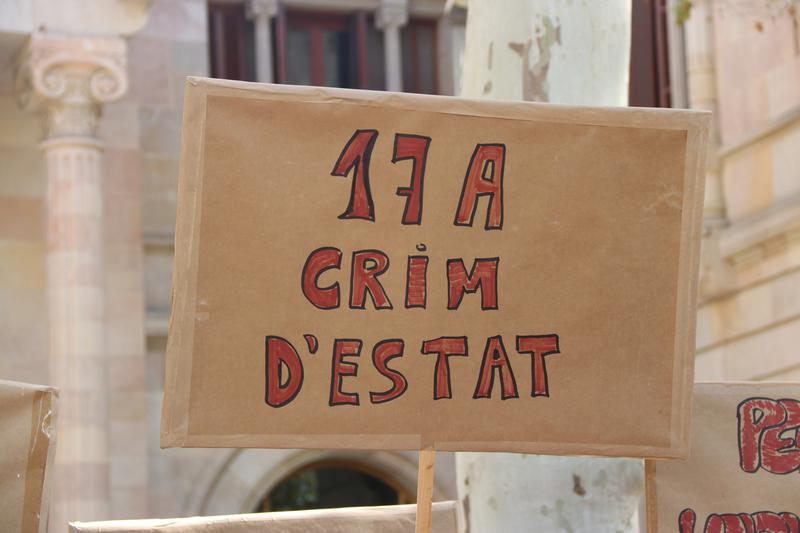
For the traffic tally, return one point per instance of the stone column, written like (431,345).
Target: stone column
(69,79)
(261,12)
(390,17)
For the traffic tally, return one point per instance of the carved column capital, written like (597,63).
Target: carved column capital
(70,78)
(261,8)
(391,13)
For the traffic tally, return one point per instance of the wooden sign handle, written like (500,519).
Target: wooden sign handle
(427,458)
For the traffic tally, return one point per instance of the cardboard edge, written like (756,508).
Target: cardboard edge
(177,359)
(49,400)
(688,280)
(412,443)
(30,387)
(38,474)
(174,428)
(450,511)
(589,115)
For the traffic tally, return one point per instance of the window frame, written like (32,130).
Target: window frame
(315,21)
(412,26)
(649,81)
(231,41)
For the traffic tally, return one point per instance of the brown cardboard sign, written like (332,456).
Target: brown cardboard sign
(359,269)
(743,473)
(27,446)
(387,519)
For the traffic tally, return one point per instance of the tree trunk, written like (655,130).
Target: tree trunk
(566,52)
(560,51)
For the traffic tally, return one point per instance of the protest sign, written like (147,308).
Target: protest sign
(387,519)
(358,269)
(743,472)
(27,446)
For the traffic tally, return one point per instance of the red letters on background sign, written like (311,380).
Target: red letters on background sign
(768,439)
(760,522)
(768,435)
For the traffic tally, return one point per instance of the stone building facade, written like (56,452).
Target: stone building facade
(743,62)
(90,107)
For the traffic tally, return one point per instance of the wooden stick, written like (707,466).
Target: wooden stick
(427,458)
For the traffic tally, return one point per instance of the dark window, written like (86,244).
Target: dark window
(419,57)
(649,70)
(231,42)
(328,49)
(333,484)
(319,50)
(334,49)
(376,66)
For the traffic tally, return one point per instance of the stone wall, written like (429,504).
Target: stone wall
(171,46)
(141,134)
(23,304)
(750,328)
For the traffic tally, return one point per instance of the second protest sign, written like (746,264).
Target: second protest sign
(743,474)
(363,270)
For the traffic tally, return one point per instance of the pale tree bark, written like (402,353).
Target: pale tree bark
(560,51)
(571,52)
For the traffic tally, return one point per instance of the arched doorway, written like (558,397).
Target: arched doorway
(334,483)
(238,481)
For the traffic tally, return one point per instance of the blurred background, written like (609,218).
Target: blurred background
(90,115)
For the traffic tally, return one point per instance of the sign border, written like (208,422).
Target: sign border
(175,424)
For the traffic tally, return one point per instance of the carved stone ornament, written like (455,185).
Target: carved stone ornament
(70,78)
